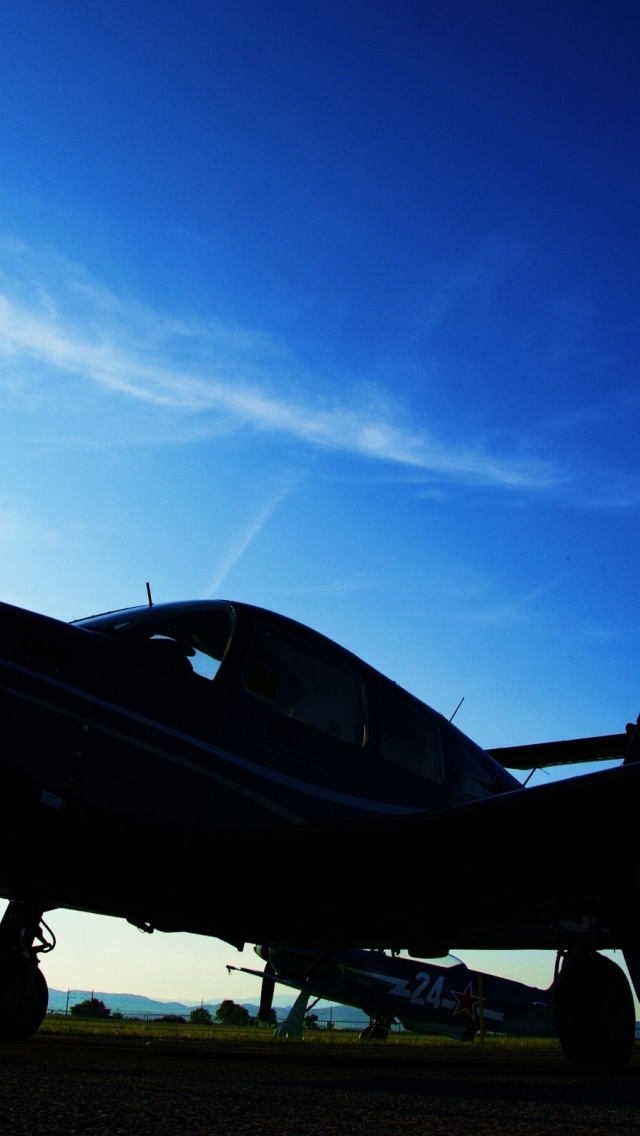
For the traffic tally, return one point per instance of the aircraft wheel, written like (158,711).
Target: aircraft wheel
(595,1013)
(24,997)
(379,1032)
(375,1032)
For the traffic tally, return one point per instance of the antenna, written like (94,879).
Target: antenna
(454,712)
(149,594)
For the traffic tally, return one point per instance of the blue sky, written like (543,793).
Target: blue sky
(331,309)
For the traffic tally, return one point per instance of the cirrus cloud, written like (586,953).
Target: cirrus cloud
(54,325)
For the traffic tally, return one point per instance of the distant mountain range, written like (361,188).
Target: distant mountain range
(139,1006)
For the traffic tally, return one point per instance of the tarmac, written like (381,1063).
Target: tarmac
(71,1086)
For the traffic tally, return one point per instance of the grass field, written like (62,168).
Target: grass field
(186,1031)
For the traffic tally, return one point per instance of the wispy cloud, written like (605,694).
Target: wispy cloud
(246,536)
(519,607)
(217,376)
(479,273)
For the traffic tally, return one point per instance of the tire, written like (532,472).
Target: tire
(379,1032)
(374,1032)
(24,998)
(595,1014)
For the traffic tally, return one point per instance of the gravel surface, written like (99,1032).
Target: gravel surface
(96,1087)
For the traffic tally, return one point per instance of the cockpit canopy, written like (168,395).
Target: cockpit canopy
(288,670)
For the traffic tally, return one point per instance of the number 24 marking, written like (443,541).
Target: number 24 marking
(434,997)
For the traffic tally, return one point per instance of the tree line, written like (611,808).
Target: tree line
(228,1013)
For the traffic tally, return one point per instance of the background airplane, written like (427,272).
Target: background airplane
(425,997)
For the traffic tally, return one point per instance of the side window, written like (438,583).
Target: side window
(304,686)
(409,736)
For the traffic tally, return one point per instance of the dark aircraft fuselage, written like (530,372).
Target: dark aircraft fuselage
(176,764)
(224,716)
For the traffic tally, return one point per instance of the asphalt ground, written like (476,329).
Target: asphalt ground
(119,1087)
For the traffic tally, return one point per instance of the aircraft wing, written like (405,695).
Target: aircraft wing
(533,868)
(260,974)
(525,869)
(544,754)
(522,869)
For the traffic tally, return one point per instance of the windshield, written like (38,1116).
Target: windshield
(192,636)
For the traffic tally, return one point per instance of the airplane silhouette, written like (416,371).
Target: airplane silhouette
(216,768)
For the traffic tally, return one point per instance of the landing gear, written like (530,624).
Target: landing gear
(23,997)
(377,1031)
(595,1014)
(23,989)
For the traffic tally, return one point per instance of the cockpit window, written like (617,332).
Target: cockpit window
(190,640)
(304,686)
(409,736)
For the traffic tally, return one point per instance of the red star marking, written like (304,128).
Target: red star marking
(466,1002)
